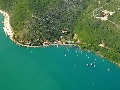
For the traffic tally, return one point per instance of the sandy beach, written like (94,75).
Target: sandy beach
(9,32)
(7,28)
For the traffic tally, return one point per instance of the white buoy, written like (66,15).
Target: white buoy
(65,55)
(94,65)
(103,60)
(75,65)
(88,57)
(95,59)
(77,55)
(91,64)
(76,50)
(94,62)
(108,69)
(31,51)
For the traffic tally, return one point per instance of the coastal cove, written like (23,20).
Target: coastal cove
(53,68)
(90,25)
(10,33)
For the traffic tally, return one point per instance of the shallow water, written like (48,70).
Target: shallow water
(52,68)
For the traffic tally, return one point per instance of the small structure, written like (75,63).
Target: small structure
(75,36)
(102,44)
(46,43)
(106,14)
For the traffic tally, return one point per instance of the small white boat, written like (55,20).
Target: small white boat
(91,64)
(87,64)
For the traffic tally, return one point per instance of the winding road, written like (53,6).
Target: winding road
(105,19)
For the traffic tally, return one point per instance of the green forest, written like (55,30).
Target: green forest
(37,21)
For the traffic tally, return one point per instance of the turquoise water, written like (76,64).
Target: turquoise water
(52,68)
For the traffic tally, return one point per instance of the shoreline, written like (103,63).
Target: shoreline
(9,32)
(7,28)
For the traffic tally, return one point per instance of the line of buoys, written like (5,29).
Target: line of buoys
(91,64)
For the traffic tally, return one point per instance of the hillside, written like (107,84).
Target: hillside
(38,21)
(91,24)
(100,36)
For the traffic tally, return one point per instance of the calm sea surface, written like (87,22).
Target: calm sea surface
(52,68)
